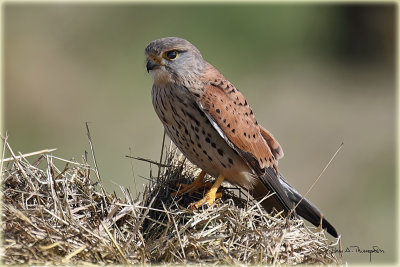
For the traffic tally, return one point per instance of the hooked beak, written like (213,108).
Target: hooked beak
(150,65)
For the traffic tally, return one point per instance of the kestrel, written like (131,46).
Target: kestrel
(212,124)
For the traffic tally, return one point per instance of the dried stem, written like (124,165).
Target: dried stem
(59,217)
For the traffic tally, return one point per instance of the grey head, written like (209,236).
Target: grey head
(174,60)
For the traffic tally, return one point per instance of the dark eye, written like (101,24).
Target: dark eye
(171,54)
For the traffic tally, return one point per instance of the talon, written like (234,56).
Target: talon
(208,185)
(210,196)
(197,183)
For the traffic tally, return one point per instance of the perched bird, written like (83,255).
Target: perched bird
(212,124)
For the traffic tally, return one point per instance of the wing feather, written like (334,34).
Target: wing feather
(275,147)
(232,117)
(230,114)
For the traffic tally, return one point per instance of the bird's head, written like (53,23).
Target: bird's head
(173,60)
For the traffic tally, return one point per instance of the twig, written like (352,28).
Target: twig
(72,162)
(278,246)
(161,154)
(3,152)
(115,242)
(92,150)
(179,236)
(73,254)
(31,154)
(21,169)
(316,180)
(44,248)
(95,165)
(133,172)
(20,215)
(150,161)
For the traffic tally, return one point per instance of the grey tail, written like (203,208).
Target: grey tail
(306,209)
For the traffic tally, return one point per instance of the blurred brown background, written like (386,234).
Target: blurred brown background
(315,75)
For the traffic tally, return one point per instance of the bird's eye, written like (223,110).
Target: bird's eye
(171,55)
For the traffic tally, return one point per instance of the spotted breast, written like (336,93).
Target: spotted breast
(194,135)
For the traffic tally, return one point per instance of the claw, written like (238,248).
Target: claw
(211,195)
(197,184)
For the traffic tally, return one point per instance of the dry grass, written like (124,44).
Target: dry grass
(62,216)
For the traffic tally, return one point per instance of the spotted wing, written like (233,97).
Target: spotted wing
(229,112)
(275,147)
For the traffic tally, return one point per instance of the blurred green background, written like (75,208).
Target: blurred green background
(315,75)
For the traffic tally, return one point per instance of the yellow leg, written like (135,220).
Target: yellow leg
(211,194)
(197,183)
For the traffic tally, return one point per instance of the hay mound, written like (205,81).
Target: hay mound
(62,216)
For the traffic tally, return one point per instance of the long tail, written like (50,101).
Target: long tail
(306,209)
(286,197)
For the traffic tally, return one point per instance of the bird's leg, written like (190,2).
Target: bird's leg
(211,194)
(197,184)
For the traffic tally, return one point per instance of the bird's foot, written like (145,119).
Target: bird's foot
(193,187)
(209,199)
(211,195)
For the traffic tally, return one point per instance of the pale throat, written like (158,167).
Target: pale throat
(161,77)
